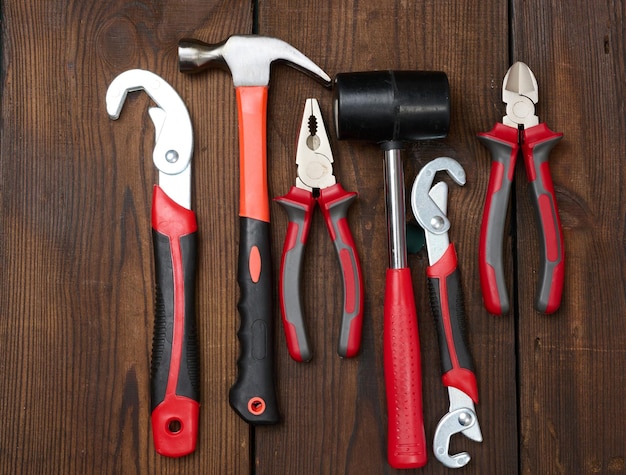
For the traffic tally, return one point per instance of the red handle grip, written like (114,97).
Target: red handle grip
(406,439)
(174,377)
(334,202)
(539,140)
(502,142)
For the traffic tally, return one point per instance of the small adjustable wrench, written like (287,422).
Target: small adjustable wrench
(174,380)
(446,298)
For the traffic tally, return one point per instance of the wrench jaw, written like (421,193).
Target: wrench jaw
(460,419)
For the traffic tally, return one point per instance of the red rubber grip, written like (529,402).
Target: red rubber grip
(174,377)
(406,439)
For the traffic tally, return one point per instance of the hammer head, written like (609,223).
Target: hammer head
(392,106)
(247,57)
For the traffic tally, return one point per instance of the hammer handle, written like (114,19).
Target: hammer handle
(406,439)
(253,396)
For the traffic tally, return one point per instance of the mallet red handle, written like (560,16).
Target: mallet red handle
(406,439)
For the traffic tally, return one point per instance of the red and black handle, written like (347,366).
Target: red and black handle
(174,377)
(446,301)
(253,396)
(538,141)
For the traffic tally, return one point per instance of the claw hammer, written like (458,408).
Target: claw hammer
(248,58)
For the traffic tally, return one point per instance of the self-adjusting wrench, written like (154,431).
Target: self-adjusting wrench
(316,183)
(520,129)
(174,376)
(446,297)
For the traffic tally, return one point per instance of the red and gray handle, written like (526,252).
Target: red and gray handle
(334,202)
(174,378)
(502,142)
(538,141)
(446,301)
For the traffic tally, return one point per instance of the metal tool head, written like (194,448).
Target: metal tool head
(173,145)
(427,213)
(247,57)
(460,419)
(314,156)
(520,93)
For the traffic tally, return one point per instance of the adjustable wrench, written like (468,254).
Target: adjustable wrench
(174,376)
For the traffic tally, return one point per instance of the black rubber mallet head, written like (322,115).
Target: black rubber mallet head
(391,108)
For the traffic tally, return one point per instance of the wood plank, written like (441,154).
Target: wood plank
(335,411)
(77,287)
(572,385)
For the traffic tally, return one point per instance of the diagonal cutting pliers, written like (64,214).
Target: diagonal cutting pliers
(430,206)
(520,130)
(315,183)
(174,375)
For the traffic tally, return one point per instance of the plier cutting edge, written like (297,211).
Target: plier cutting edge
(520,129)
(430,206)
(315,182)
(174,375)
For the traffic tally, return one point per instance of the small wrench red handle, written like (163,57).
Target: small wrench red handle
(406,438)
(174,373)
(334,202)
(446,301)
(298,204)
(502,142)
(538,141)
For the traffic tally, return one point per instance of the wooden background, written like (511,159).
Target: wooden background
(76,279)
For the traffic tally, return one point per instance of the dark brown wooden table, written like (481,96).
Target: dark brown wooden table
(76,279)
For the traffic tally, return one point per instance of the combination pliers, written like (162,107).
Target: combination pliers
(174,375)
(430,206)
(520,130)
(315,182)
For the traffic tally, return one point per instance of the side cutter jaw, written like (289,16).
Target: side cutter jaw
(520,93)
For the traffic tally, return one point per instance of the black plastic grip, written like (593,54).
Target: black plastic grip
(446,302)
(253,395)
(188,372)
(454,298)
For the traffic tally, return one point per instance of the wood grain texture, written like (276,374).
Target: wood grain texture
(76,285)
(77,274)
(572,387)
(335,411)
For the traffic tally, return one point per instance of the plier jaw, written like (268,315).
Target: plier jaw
(520,131)
(315,183)
(313,156)
(429,204)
